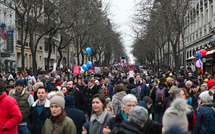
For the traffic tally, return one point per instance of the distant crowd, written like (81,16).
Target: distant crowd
(114,101)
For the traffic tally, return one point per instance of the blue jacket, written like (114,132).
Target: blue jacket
(75,114)
(110,88)
(202,120)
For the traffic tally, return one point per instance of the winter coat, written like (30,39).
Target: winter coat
(66,127)
(110,88)
(144,89)
(202,119)
(78,97)
(153,96)
(87,97)
(116,102)
(115,121)
(127,127)
(129,87)
(75,114)
(10,115)
(49,84)
(35,121)
(152,127)
(97,124)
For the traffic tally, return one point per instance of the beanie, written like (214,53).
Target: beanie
(51,79)
(43,79)
(19,82)
(168,79)
(171,89)
(138,115)
(207,96)
(37,85)
(176,115)
(211,83)
(59,100)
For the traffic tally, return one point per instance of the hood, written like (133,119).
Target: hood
(119,95)
(143,104)
(161,85)
(69,101)
(130,86)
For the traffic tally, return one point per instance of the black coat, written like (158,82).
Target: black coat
(75,114)
(152,127)
(127,127)
(78,97)
(115,121)
(87,96)
(35,121)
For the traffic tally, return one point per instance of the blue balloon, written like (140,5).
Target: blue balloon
(89,64)
(84,66)
(126,57)
(88,50)
(199,55)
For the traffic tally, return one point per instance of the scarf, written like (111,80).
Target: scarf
(123,115)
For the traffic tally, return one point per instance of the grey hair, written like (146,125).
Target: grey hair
(188,82)
(138,115)
(127,98)
(181,106)
(176,92)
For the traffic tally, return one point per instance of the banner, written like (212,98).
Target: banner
(131,73)
(76,69)
(10,48)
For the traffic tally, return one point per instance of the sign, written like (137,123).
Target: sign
(97,70)
(5,55)
(10,46)
(2,33)
(131,73)
(54,67)
(76,69)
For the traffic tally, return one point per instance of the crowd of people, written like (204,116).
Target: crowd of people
(111,102)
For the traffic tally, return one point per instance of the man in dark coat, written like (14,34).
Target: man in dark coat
(76,93)
(75,114)
(88,92)
(38,112)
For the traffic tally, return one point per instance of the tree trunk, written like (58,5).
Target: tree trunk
(49,54)
(22,47)
(60,58)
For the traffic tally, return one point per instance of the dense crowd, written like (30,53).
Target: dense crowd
(114,101)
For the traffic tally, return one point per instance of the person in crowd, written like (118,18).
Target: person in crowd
(188,85)
(50,82)
(109,86)
(170,82)
(36,86)
(119,93)
(176,115)
(64,90)
(8,88)
(24,100)
(105,90)
(80,85)
(76,93)
(38,112)
(211,86)
(88,92)
(193,90)
(85,128)
(58,122)
(146,103)
(100,116)
(158,96)
(10,115)
(136,121)
(203,115)
(11,82)
(30,89)
(142,86)
(125,82)
(75,114)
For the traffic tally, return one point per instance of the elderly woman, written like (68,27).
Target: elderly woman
(203,117)
(58,122)
(128,102)
(100,116)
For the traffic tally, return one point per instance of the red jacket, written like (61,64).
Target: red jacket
(10,115)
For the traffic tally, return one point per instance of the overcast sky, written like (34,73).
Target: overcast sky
(121,15)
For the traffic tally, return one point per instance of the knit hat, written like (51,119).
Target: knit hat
(211,83)
(37,85)
(168,79)
(43,79)
(59,100)
(207,96)
(171,89)
(87,126)
(138,115)
(19,82)
(175,115)
(51,79)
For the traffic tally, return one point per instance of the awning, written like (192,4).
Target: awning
(191,58)
(210,52)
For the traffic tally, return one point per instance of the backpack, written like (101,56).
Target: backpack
(136,92)
(160,95)
(211,127)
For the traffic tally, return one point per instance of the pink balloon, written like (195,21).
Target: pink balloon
(198,64)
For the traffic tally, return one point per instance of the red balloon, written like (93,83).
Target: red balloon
(203,52)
